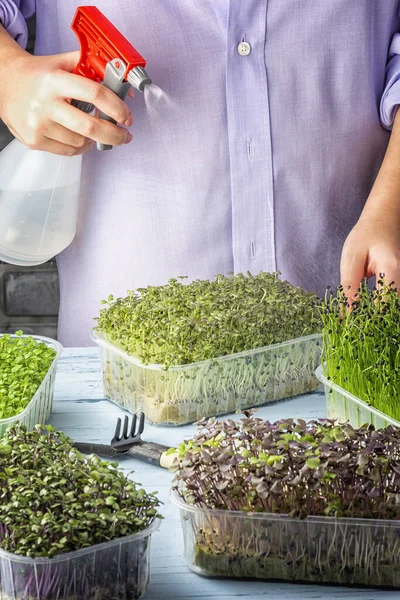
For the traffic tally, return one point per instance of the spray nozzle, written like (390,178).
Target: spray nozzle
(138,78)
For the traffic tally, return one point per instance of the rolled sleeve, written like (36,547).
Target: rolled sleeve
(13,15)
(391,94)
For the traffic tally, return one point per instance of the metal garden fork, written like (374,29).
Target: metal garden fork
(129,443)
(126,441)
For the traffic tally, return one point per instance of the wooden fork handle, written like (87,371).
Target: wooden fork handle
(155,454)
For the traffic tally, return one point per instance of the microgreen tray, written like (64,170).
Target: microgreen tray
(187,393)
(116,570)
(343,406)
(219,543)
(41,404)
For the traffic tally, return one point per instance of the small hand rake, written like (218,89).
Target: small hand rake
(129,443)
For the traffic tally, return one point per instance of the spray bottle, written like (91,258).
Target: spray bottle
(39,191)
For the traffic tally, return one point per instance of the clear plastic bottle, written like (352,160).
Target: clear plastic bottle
(39,197)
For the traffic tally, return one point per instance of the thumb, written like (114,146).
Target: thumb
(353,269)
(67,61)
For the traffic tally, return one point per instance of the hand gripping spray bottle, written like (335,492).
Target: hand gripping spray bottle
(39,191)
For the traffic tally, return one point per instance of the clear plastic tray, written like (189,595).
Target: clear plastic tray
(187,393)
(116,570)
(362,552)
(40,407)
(343,406)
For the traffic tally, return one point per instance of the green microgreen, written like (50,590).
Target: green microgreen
(179,324)
(55,500)
(361,345)
(24,363)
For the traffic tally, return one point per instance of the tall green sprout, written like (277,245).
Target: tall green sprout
(361,345)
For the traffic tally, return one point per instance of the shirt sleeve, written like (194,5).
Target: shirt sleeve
(391,94)
(12,16)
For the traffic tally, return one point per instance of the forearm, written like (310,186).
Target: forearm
(9,49)
(384,199)
(6,41)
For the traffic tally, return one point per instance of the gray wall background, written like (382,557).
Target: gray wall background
(29,296)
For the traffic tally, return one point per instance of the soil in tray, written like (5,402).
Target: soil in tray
(302,570)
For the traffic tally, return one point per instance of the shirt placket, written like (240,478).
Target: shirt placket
(253,239)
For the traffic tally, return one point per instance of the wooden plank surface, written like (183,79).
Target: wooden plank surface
(81,411)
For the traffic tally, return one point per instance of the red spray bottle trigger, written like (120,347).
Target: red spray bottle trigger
(106,57)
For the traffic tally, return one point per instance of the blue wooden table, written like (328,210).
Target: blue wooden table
(81,411)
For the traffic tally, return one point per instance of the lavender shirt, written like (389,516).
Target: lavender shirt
(267,163)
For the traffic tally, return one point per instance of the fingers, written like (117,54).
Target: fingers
(58,133)
(80,88)
(388,270)
(353,266)
(88,126)
(49,145)
(359,263)
(45,120)
(55,147)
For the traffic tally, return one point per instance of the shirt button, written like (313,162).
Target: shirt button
(244,48)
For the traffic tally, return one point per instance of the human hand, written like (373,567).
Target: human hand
(372,248)
(35,104)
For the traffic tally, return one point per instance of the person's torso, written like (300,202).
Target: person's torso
(265,163)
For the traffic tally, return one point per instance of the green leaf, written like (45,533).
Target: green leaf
(313,463)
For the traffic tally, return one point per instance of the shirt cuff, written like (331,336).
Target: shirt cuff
(391,95)
(12,17)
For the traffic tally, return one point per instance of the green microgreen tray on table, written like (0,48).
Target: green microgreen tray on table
(27,373)
(180,352)
(71,527)
(361,355)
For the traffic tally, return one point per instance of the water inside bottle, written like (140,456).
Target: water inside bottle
(38,224)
